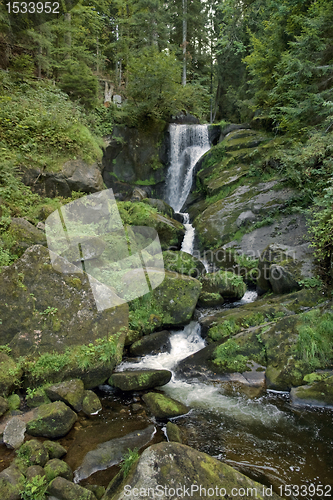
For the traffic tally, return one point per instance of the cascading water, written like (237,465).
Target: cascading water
(187,144)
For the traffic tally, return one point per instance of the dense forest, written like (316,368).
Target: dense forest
(268,63)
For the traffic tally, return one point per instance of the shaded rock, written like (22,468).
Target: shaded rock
(132,336)
(37,398)
(33,471)
(173,432)
(98,491)
(70,392)
(91,404)
(62,489)
(228,285)
(112,452)
(152,344)
(164,407)
(14,433)
(35,452)
(319,393)
(281,280)
(25,235)
(183,263)
(52,420)
(172,465)
(54,449)
(3,406)
(139,194)
(55,467)
(140,379)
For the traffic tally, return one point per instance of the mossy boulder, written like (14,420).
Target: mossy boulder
(91,404)
(11,480)
(164,466)
(163,407)
(34,452)
(23,235)
(55,467)
(33,471)
(207,299)
(14,402)
(319,393)
(173,432)
(55,450)
(66,490)
(52,420)
(44,309)
(183,263)
(228,285)
(70,392)
(37,397)
(161,206)
(140,379)
(151,344)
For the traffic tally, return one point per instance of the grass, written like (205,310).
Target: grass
(129,458)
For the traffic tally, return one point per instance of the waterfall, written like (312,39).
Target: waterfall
(187,144)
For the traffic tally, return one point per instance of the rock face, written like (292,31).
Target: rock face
(76,175)
(52,420)
(140,379)
(164,467)
(133,158)
(164,407)
(45,310)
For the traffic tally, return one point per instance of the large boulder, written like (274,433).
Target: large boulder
(228,285)
(140,379)
(11,480)
(75,175)
(176,470)
(282,268)
(63,489)
(53,420)
(44,309)
(183,263)
(319,393)
(151,344)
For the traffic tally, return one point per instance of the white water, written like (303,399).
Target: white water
(187,144)
(197,394)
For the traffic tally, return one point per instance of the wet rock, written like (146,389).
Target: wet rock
(52,420)
(25,235)
(3,406)
(35,452)
(207,299)
(54,449)
(112,452)
(70,392)
(183,263)
(55,467)
(224,283)
(91,404)
(33,471)
(14,432)
(152,344)
(63,489)
(320,393)
(173,432)
(164,407)
(172,465)
(140,379)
